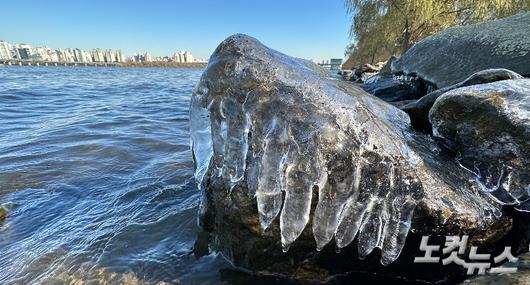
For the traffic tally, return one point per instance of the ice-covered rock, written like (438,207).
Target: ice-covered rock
(291,159)
(419,110)
(488,126)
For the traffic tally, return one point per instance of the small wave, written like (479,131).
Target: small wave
(98,162)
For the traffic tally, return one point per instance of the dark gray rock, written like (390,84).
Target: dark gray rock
(291,159)
(345,74)
(524,206)
(419,110)
(387,68)
(448,57)
(488,127)
(363,72)
(400,104)
(393,88)
(358,71)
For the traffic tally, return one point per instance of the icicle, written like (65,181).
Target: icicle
(332,198)
(201,134)
(302,173)
(268,192)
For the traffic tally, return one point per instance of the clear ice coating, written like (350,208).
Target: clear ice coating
(279,127)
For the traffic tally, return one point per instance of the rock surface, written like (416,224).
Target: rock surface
(291,159)
(488,127)
(395,88)
(358,71)
(387,68)
(419,110)
(448,57)
(521,277)
(5,209)
(3,214)
(363,72)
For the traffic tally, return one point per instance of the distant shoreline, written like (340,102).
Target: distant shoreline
(170,64)
(162,64)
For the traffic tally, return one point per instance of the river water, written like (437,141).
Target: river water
(96,171)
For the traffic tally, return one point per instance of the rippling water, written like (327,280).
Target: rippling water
(96,170)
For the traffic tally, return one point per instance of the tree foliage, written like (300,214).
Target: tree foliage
(381,28)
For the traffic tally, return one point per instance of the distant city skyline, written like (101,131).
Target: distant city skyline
(310,29)
(27,52)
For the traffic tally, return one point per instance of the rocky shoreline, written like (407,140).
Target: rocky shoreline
(317,180)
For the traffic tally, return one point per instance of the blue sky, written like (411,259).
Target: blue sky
(313,29)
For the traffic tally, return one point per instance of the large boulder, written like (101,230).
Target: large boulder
(488,127)
(294,164)
(452,55)
(419,109)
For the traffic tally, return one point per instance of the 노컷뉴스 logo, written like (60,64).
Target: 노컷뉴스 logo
(455,248)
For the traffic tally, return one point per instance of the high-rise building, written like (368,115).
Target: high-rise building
(98,55)
(77,55)
(61,55)
(52,54)
(68,55)
(6,50)
(86,56)
(41,54)
(110,56)
(188,57)
(179,57)
(137,57)
(120,57)
(147,57)
(24,51)
(82,56)
(183,57)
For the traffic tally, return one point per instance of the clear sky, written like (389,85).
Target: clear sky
(312,29)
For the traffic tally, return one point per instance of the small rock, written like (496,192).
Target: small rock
(3,214)
(5,209)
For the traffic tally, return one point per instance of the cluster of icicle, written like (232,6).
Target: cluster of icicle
(284,144)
